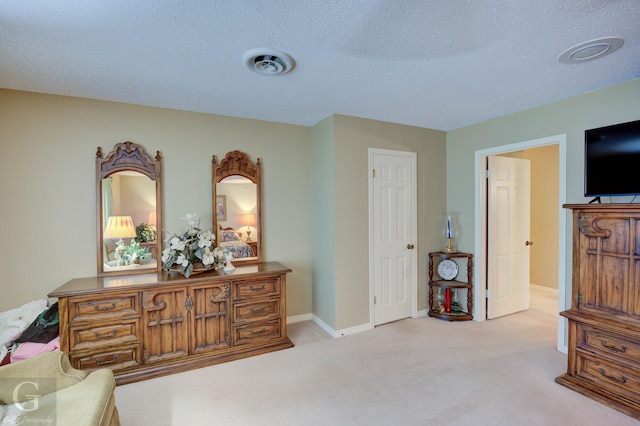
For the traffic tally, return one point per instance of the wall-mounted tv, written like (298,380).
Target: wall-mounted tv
(612,160)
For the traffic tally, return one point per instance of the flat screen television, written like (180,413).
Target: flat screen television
(612,160)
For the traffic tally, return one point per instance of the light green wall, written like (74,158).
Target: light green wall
(572,117)
(322,221)
(47,170)
(351,139)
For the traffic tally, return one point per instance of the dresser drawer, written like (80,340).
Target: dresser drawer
(81,309)
(256,332)
(618,378)
(266,287)
(115,359)
(256,311)
(604,342)
(104,335)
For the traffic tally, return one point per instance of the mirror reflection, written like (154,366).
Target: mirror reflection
(129,232)
(237,207)
(129,216)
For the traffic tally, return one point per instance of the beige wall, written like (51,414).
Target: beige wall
(544,215)
(47,170)
(571,117)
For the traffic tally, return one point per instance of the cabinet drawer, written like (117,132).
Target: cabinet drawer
(617,378)
(253,311)
(115,359)
(603,342)
(254,333)
(103,335)
(98,308)
(265,287)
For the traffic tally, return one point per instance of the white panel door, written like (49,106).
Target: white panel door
(508,235)
(393,234)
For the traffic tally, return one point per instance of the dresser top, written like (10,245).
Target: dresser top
(604,206)
(125,282)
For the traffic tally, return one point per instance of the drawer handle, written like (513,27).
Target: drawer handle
(105,336)
(259,332)
(106,308)
(258,310)
(612,348)
(108,361)
(252,288)
(622,379)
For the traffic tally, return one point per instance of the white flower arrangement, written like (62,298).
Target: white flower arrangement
(193,247)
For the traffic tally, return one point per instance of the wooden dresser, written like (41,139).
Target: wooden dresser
(144,326)
(604,319)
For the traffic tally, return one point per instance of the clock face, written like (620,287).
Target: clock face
(448,269)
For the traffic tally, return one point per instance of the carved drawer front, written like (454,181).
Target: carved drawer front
(256,332)
(115,359)
(98,308)
(603,342)
(264,287)
(104,335)
(616,377)
(254,311)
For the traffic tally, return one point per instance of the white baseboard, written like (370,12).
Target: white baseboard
(544,288)
(341,333)
(422,313)
(299,318)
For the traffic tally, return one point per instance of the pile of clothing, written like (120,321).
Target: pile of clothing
(29,330)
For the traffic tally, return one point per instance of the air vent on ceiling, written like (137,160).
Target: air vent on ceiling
(590,50)
(268,61)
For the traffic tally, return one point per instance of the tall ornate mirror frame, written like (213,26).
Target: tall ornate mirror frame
(237,164)
(128,157)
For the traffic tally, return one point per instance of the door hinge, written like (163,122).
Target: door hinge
(486,174)
(375,300)
(144,356)
(486,293)
(373,173)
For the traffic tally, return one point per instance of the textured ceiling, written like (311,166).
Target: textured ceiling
(439,64)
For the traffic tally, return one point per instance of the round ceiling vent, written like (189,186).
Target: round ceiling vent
(590,50)
(268,61)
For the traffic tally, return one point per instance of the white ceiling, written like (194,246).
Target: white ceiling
(439,64)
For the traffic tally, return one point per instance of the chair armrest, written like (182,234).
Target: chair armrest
(53,367)
(90,402)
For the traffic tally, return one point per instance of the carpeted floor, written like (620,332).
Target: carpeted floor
(418,371)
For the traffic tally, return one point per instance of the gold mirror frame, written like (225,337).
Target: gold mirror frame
(128,157)
(237,164)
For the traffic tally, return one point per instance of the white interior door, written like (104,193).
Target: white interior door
(508,235)
(393,236)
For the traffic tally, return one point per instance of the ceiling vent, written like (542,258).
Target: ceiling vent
(590,50)
(268,61)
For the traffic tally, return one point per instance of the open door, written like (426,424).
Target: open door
(508,227)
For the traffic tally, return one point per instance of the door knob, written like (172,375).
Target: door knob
(410,246)
(529,243)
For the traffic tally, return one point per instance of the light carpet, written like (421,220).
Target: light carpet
(417,371)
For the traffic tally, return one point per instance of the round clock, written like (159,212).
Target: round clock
(448,269)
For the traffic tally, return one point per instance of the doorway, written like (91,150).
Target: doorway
(481,239)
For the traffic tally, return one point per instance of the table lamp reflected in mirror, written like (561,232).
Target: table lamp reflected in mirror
(249,220)
(119,227)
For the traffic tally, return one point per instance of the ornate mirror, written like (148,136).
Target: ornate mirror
(128,192)
(237,207)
